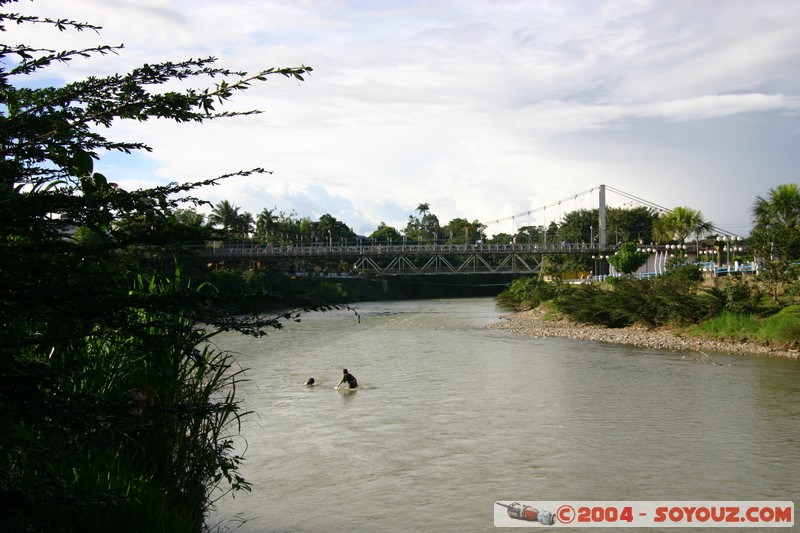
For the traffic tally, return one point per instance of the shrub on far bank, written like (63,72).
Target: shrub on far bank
(596,304)
(526,293)
(729,308)
(739,295)
(672,299)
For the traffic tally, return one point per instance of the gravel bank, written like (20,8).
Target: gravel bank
(532,324)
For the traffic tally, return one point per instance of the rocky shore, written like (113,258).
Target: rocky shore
(534,324)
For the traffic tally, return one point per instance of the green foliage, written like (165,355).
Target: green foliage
(526,293)
(792,287)
(776,238)
(281,228)
(161,229)
(579,226)
(386,235)
(461,231)
(776,218)
(679,298)
(630,224)
(225,214)
(674,298)
(264,290)
(332,230)
(126,428)
(782,328)
(628,259)
(729,326)
(594,304)
(89,237)
(115,412)
(679,225)
(686,278)
(779,280)
(529,235)
(741,295)
(583,225)
(425,228)
(502,238)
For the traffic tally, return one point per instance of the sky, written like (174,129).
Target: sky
(482,109)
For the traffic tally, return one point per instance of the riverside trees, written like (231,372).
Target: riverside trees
(776,237)
(776,218)
(116,413)
(681,296)
(679,225)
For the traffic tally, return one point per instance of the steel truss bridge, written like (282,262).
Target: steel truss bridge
(402,259)
(405,259)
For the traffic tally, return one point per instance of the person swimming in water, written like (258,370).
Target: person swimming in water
(310,382)
(349,378)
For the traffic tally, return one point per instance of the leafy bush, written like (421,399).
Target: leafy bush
(594,304)
(741,296)
(114,412)
(674,298)
(678,298)
(628,259)
(686,277)
(526,293)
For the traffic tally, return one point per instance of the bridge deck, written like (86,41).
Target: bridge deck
(429,258)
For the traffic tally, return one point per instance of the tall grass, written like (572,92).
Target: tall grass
(729,326)
(128,429)
(781,328)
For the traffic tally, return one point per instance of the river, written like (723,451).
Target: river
(452,416)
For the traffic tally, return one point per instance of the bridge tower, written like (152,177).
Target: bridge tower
(602,212)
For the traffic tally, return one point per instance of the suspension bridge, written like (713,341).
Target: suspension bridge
(366,257)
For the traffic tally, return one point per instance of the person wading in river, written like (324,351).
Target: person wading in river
(349,378)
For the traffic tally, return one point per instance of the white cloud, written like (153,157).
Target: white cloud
(717,105)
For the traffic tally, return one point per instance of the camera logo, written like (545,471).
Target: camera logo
(528,514)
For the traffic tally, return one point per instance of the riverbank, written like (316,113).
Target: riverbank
(535,323)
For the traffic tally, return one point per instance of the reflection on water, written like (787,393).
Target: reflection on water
(450,417)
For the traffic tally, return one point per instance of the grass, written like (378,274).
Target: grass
(128,429)
(782,328)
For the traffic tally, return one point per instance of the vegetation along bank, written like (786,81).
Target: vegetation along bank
(539,323)
(681,310)
(687,307)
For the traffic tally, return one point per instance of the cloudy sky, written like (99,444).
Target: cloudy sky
(481,108)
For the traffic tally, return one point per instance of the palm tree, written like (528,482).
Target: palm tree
(776,219)
(680,224)
(245,224)
(264,223)
(428,223)
(782,207)
(224,214)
